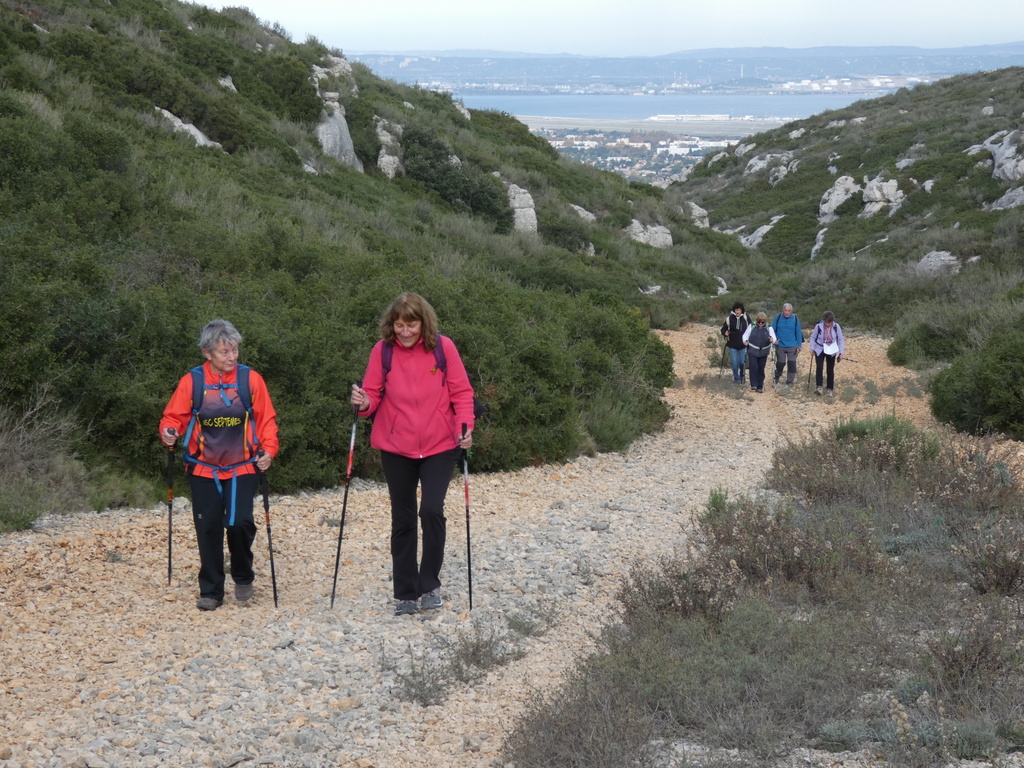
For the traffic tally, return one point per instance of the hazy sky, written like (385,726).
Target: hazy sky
(654,27)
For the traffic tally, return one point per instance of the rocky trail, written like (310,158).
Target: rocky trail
(103,665)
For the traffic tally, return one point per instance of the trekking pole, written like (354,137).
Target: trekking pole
(265,485)
(344,503)
(469,552)
(808,387)
(170,501)
(721,366)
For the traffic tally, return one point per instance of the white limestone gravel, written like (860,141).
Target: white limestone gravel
(103,665)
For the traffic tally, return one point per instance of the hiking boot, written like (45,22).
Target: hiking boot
(817,391)
(243,592)
(830,393)
(760,390)
(208,603)
(406,608)
(431,600)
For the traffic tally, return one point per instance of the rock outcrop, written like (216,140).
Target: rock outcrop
(523,211)
(880,194)
(754,238)
(332,131)
(844,188)
(1007,150)
(1012,199)
(583,213)
(654,235)
(698,214)
(938,263)
(180,126)
(389,135)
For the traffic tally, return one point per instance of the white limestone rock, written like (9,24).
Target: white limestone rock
(698,214)
(880,194)
(227,82)
(389,135)
(819,241)
(182,127)
(988,111)
(1007,151)
(798,133)
(768,160)
(583,213)
(938,263)
(336,67)
(722,287)
(462,110)
(754,238)
(741,150)
(1012,199)
(844,188)
(836,124)
(524,214)
(334,136)
(716,158)
(656,235)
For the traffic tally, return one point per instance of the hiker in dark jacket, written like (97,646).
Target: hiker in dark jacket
(790,339)
(733,328)
(226,442)
(758,339)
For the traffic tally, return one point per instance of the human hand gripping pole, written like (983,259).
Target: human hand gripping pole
(344,503)
(469,552)
(265,486)
(170,500)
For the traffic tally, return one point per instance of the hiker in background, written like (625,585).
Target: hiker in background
(229,424)
(733,328)
(420,407)
(789,340)
(758,339)
(829,346)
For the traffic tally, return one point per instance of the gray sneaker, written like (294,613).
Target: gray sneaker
(431,600)
(406,608)
(243,592)
(208,603)
(817,391)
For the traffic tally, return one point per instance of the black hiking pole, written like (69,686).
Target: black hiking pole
(469,550)
(344,503)
(721,366)
(265,485)
(808,387)
(170,500)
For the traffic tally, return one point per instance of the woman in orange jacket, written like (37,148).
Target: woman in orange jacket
(224,411)
(423,418)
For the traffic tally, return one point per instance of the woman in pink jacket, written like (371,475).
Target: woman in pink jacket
(417,390)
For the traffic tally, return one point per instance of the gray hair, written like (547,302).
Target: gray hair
(217,331)
(787,304)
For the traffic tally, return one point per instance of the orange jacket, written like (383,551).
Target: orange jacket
(178,414)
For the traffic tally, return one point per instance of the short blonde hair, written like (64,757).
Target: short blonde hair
(410,307)
(761,316)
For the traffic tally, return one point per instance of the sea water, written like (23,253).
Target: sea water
(642,107)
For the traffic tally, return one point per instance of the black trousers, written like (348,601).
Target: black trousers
(433,474)
(210,514)
(830,369)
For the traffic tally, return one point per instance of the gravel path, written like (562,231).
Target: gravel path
(102,664)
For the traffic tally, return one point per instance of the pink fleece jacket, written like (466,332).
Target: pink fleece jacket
(419,411)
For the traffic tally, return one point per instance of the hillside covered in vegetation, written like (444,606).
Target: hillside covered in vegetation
(121,237)
(162,164)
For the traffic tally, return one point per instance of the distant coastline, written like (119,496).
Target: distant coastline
(733,115)
(719,128)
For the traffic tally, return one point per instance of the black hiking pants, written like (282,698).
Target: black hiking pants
(433,474)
